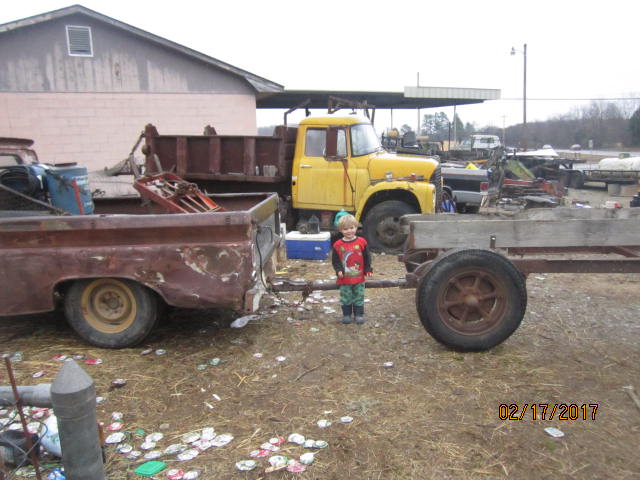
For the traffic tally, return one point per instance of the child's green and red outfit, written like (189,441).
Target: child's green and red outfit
(353,259)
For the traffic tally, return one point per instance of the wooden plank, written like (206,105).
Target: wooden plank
(511,233)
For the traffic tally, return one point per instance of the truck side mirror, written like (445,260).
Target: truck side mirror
(331,147)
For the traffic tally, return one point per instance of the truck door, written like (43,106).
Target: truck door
(324,183)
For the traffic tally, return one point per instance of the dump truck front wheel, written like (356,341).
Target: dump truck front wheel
(382,227)
(471,299)
(110,312)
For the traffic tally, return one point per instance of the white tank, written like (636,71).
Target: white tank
(615,163)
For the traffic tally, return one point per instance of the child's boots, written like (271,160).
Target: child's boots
(346,313)
(359,313)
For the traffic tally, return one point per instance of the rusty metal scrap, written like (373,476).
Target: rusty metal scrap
(174,194)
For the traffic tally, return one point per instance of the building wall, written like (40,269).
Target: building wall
(98,130)
(90,110)
(35,59)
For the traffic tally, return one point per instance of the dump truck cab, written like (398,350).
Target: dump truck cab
(339,164)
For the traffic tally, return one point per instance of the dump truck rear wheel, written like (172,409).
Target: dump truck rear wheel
(382,227)
(110,312)
(471,299)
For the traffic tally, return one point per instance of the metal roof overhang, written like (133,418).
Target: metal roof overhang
(411,98)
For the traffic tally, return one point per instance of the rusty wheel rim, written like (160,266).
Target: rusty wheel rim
(472,302)
(108,305)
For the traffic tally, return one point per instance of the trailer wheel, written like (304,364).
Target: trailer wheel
(111,313)
(382,226)
(471,299)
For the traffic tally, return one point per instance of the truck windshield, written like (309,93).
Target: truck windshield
(364,140)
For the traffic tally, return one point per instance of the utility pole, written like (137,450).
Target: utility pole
(524,94)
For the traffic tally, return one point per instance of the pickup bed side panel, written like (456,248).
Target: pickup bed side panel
(191,260)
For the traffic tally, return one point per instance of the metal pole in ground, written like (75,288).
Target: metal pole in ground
(73,395)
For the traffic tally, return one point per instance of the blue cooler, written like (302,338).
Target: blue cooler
(313,246)
(61,191)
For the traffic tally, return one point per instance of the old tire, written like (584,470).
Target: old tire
(471,299)
(110,312)
(382,226)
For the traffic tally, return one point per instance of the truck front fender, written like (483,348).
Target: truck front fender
(421,194)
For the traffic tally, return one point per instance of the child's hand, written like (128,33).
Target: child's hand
(340,274)
(369,274)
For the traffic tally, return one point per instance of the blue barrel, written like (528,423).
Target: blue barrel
(61,189)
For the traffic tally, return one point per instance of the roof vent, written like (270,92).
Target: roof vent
(79,41)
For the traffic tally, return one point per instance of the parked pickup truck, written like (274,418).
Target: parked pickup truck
(113,270)
(324,165)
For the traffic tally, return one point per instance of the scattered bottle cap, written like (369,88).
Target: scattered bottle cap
(261,453)
(314,330)
(115,438)
(320,444)
(93,361)
(346,419)
(100,400)
(296,438)
(154,437)
(175,474)
(124,448)
(161,351)
(38,374)
(148,446)
(202,445)
(554,432)
(208,433)
(270,447)
(115,426)
(246,465)
(281,358)
(117,416)
(191,475)
(59,358)
(189,454)
(118,382)
(146,351)
(222,439)
(387,364)
(257,355)
(214,361)
(323,423)
(153,454)
(134,455)
(78,356)
(175,448)
(277,441)
(202,366)
(278,460)
(307,458)
(295,467)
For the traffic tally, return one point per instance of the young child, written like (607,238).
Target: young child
(352,261)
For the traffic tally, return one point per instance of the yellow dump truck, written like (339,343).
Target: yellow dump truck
(324,165)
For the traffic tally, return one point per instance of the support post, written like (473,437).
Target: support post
(73,396)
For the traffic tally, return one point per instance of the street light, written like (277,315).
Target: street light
(524,94)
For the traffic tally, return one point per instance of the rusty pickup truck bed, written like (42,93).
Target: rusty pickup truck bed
(109,269)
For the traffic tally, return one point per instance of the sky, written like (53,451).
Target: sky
(575,51)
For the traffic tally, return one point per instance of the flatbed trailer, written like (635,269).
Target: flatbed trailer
(470,271)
